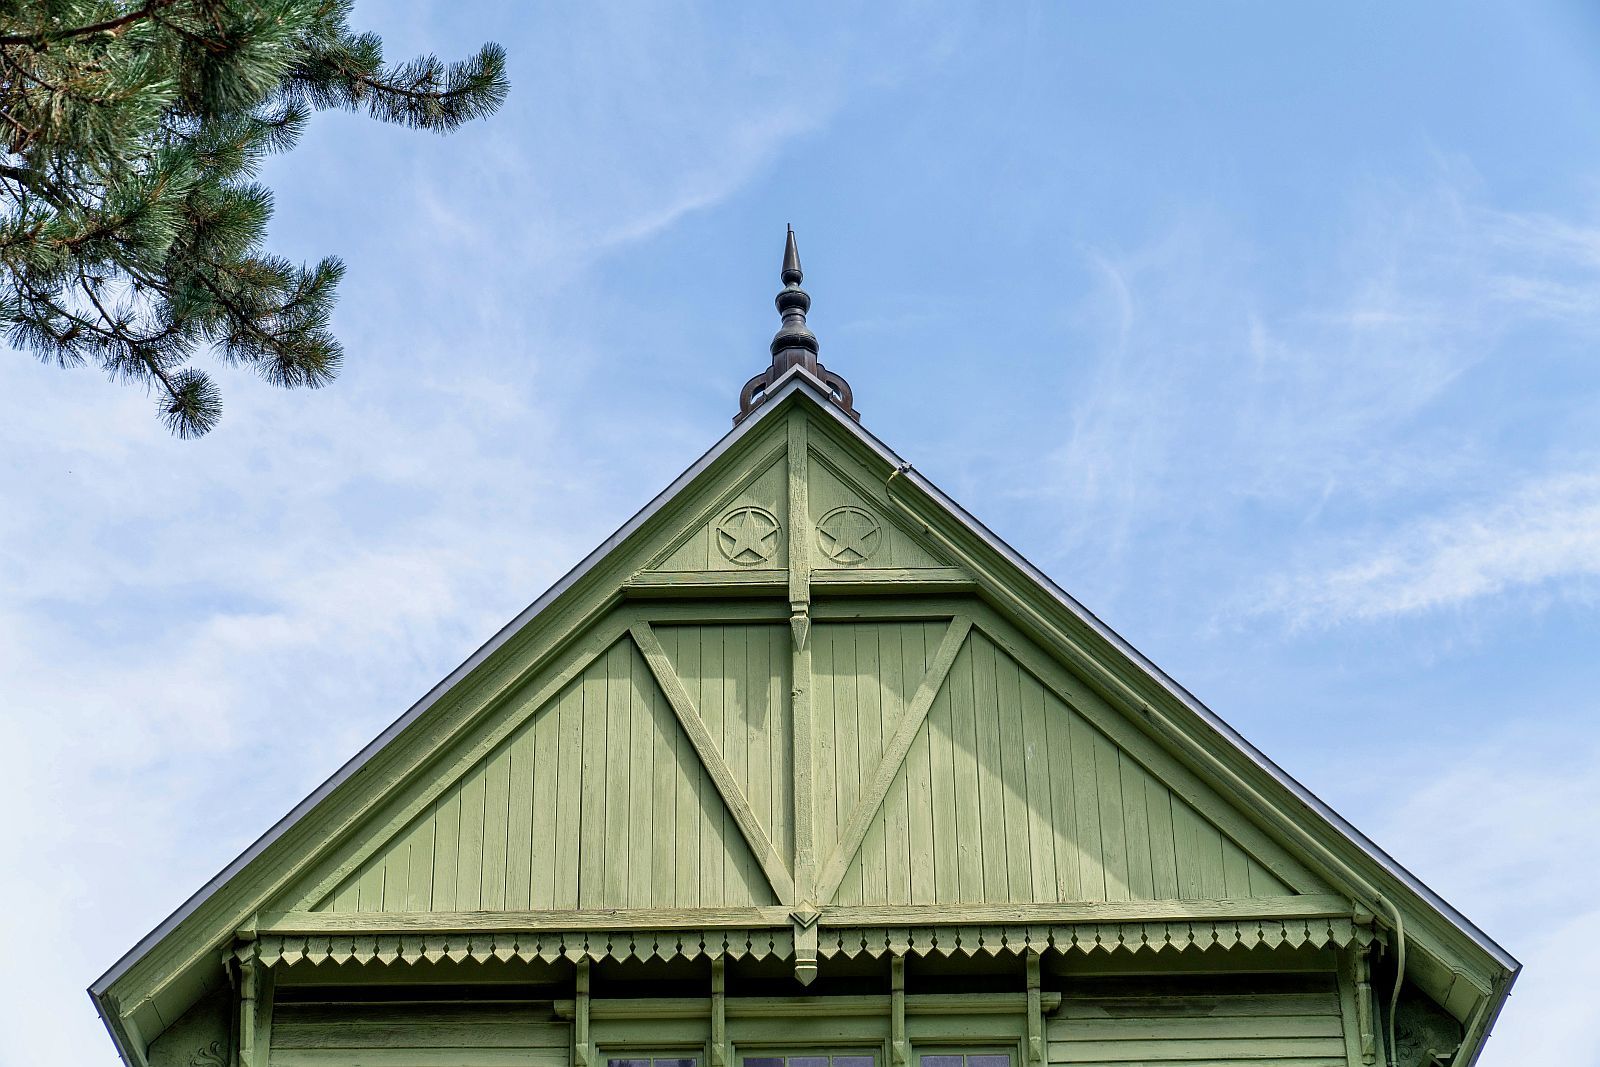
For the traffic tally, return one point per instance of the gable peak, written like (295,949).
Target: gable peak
(794,345)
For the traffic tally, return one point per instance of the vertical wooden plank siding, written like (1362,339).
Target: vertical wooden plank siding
(469,862)
(612,765)
(598,799)
(847,742)
(1005,794)
(567,803)
(967,830)
(519,820)
(864,677)
(989,768)
(1039,803)
(739,679)
(917,777)
(1009,795)
(1013,756)
(496,807)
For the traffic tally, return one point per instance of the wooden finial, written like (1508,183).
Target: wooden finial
(794,345)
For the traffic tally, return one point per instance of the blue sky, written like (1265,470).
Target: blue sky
(1268,330)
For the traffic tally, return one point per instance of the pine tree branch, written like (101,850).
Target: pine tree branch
(133,347)
(113,26)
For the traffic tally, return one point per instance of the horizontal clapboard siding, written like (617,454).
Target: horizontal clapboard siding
(1007,794)
(1302,1029)
(417,1035)
(598,800)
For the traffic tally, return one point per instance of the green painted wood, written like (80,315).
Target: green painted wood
(578,808)
(760,850)
(862,679)
(1084,821)
(416,1035)
(834,481)
(882,762)
(1287,1029)
(473,807)
(519,821)
(738,679)
(765,485)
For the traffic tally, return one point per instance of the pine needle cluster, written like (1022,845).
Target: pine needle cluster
(131,226)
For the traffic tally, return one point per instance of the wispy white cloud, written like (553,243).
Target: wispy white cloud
(1544,535)
(1368,400)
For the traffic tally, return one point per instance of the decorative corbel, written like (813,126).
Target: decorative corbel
(248,985)
(1361,966)
(799,622)
(1036,1048)
(581,1052)
(899,1053)
(719,1013)
(805,943)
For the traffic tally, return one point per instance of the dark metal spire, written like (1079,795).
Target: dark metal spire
(794,345)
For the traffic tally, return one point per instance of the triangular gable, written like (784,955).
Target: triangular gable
(477,734)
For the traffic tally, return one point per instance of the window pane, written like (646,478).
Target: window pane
(989,1061)
(763,1061)
(689,1061)
(627,1063)
(846,1061)
(941,1061)
(808,1061)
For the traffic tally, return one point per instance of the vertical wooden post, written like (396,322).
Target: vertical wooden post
(580,1017)
(898,1053)
(719,1013)
(799,532)
(804,747)
(1036,1057)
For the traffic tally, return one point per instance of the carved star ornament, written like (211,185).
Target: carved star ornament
(748,536)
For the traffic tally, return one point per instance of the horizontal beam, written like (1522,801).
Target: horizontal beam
(707,583)
(1122,911)
(833,1007)
(853,581)
(325,922)
(891,580)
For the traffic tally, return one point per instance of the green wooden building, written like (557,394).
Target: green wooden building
(804,767)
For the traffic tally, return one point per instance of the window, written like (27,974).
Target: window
(814,1059)
(654,1061)
(967,1059)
